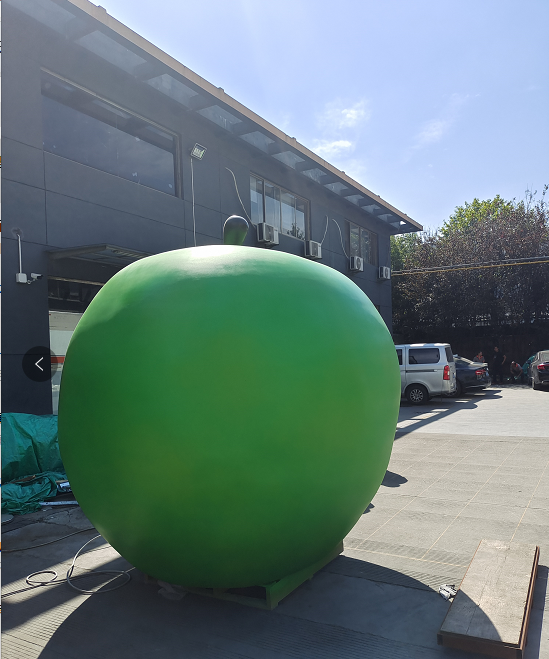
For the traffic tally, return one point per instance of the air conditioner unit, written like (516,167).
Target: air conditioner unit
(384,272)
(313,250)
(267,234)
(356,264)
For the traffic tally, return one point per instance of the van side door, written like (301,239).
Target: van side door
(424,367)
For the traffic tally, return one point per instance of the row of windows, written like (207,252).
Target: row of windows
(290,215)
(285,211)
(82,127)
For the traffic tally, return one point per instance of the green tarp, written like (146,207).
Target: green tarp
(29,449)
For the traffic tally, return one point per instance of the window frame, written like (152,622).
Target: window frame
(361,230)
(281,191)
(178,184)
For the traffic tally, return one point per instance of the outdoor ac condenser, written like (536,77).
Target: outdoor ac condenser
(384,272)
(267,234)
(356,264)
(313,250)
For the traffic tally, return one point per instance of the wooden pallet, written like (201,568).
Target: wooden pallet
(491,611)
(268,596)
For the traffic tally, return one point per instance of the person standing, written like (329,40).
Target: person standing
(479,357)
(498,360)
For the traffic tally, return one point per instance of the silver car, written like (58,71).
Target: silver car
(426,370)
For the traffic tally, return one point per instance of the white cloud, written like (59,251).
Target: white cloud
(337,116)
(330,149)
(432,131)
(435,129)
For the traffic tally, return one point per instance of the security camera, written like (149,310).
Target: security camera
(36,276)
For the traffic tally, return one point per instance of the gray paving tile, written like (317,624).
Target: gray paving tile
(488,461)
(368,524)
(536,516)
(525,488)
(391,501)
(525,459)
(425,504)
(493,512)
(514,480)
(528,472)
(450,493)
(542,489)
(413,528)
(452,480)
(539,502)
(502,497)
(399,466)
(536,533)
(465,533)
(415,486)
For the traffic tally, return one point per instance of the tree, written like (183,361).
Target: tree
(510,296)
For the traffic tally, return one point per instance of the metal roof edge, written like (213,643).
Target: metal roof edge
(100,14)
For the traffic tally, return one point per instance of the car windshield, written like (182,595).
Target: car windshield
(544,356)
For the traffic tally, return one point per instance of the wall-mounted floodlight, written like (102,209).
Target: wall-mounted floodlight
(198,151)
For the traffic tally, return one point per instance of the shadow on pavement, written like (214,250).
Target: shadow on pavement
(135,622)
(393,480)
(439,408)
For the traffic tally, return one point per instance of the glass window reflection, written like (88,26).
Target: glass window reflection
(256,194)
(354,240)
(80,127)
(288,213)
(363,243)
(300,218)
(284,210)
(272,204)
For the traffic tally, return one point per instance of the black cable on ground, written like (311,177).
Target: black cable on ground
(43,544)
(33,583)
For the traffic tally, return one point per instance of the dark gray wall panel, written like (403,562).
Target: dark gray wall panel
(25,306)
(229,202)
(24,207)
(22,163)
(21,110)
(73,223)
(19,393)
(208,222)
(206,180)
(201,239)
(72,179)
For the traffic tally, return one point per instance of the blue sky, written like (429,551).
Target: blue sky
(428,103)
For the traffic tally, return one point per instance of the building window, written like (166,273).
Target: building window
(363,243)
(87,129)
(284,210)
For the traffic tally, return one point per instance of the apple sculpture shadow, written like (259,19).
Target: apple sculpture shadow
(227,413)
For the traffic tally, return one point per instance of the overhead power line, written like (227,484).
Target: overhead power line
(533,260)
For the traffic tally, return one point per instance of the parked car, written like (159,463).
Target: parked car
(526,368)
(426,370)
(538,371)
(470,375)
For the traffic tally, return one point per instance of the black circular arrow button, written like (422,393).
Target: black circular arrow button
(37,364)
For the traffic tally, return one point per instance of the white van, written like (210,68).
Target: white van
(426,370)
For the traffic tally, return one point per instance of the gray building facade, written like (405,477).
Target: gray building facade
(97,131)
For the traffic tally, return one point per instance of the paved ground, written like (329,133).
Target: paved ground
(461,469)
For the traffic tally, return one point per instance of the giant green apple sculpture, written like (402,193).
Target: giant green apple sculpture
(227,413)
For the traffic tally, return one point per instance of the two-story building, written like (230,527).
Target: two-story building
(113,150)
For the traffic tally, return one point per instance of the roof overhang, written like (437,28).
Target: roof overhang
(123,48)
